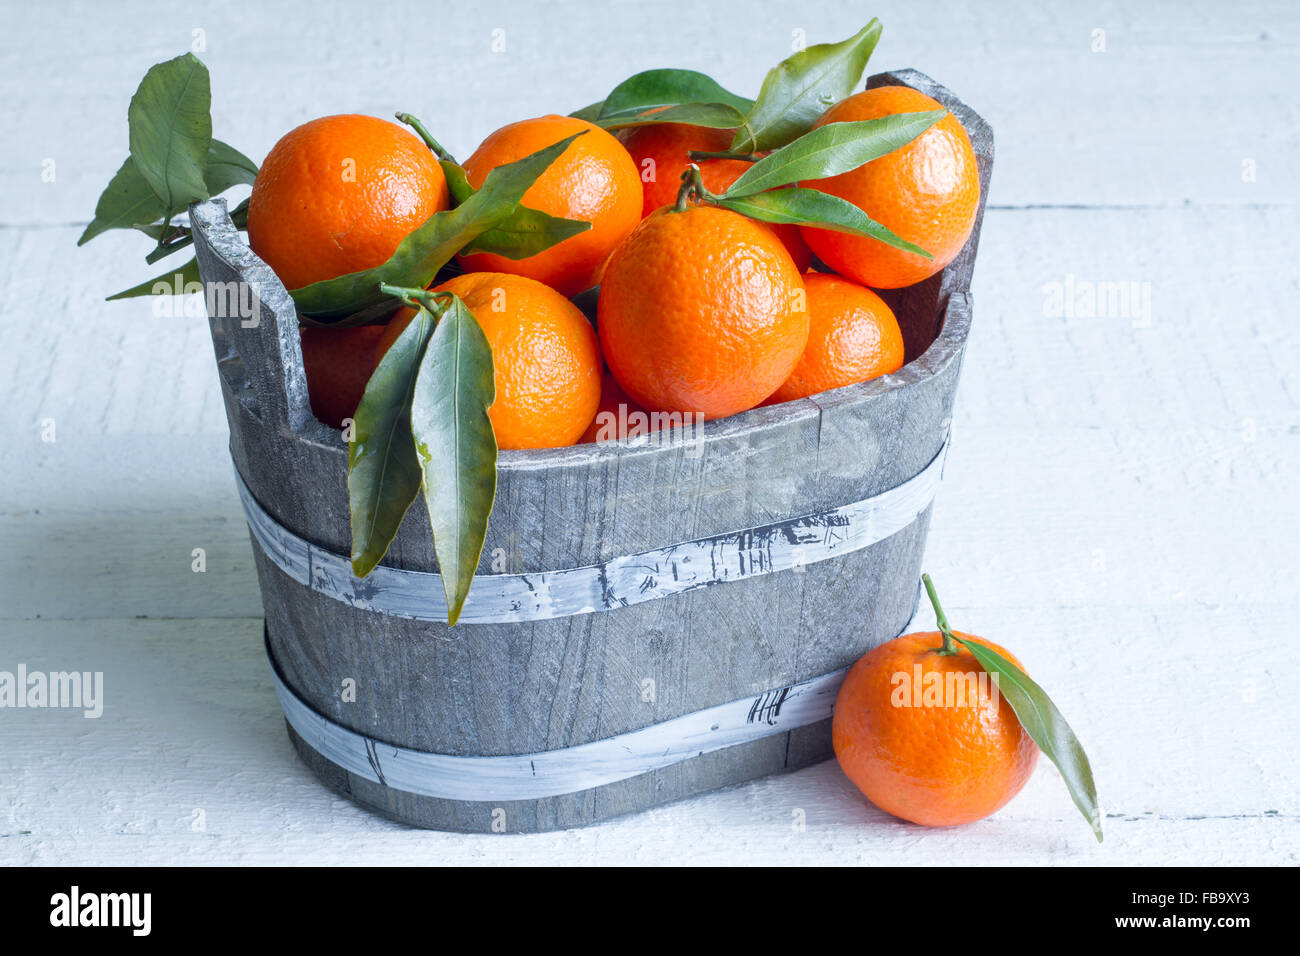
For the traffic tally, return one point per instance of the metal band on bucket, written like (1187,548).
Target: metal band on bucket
(632,579)
(568,770)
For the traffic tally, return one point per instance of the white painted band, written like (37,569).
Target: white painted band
(632,579)
(570,769)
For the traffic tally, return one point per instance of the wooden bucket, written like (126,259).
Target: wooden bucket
(650,620)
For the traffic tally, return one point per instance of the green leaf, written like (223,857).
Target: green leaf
(801,87)
(180,236)
(654,88)
(423,132)
(420,255)
(456,446)
(589,113)
(457,181)
(180,240)
(155,230)
(383,472)
(126,202)
(523,233)
(171,130)
(1044,723)
(833,149)
(810,207)
(227,167)
(188,273)
(239,215)
(712,115)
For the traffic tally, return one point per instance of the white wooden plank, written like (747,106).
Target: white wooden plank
(191,723)
(1183,95)
(1118,505)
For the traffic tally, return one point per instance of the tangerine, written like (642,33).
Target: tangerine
(337,195)
(593,180)
(927,192)
(852,337)
(337,363)
(545,357)
(923,738)
(662,151)
(701,310)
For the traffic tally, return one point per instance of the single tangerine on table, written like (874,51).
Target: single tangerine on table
(662,151)
(593,180)
(701,310)
(545,357)
(927,192)
(338,194)
(937,763)
(852,337)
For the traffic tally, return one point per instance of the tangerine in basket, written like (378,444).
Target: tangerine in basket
(662,151)
(545,357)
(593,180)
(337,195)
(701,310)
(852,337)
(617,416)
(337,363)
(927,192)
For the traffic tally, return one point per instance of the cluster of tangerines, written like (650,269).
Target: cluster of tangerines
(701,310)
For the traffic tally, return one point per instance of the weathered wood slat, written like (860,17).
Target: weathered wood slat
(559,772)
(787,545)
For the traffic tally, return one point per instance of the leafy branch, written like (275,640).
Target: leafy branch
(422,424)
(765,191)
(173,161)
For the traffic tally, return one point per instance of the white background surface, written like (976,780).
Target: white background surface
(1120,502)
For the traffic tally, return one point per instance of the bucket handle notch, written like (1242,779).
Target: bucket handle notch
(258,350)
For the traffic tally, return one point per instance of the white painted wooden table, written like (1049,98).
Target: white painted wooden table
(1120,506)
